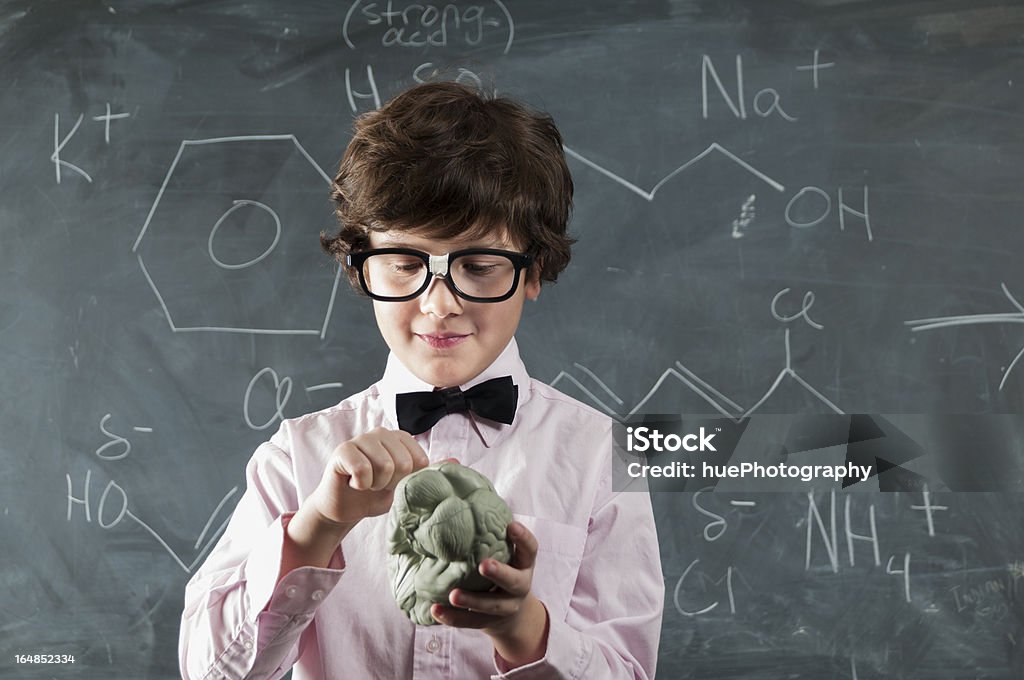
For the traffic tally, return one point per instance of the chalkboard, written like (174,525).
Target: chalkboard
(802,206)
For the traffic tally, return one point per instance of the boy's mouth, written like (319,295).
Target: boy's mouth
(443,340)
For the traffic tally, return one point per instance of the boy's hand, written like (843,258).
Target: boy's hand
(360,476)
(510,613)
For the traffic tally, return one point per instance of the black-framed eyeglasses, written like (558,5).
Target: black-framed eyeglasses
(475,274)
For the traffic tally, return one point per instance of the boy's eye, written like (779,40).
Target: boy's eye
(474,268)
(405,265)
(483,267)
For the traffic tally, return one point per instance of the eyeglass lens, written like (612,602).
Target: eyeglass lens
(478,275)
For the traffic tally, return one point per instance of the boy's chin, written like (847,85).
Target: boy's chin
(446,371)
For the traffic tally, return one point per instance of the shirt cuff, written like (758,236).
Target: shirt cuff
(565,656)
(300,591)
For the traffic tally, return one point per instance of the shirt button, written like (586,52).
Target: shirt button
(248,644)
(318,595)
(290,591)
(433,645)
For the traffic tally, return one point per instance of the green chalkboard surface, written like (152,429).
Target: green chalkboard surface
(801,206)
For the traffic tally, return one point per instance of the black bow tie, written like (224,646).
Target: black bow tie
(494,399)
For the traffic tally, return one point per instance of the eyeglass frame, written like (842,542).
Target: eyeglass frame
(438,267)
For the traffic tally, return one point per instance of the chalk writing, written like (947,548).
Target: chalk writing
(115,440)
(808,302)
(120,499)
(236,204)
(789,372)
(973,319)
(352,94)
(829,536)
(904,572)
(59,143)
(747,214)
(718,522)
(248,263)
(106,118)
(815,66)
(929,509)
(282,393)
(738,105)
(799,201)
(649,195)
(677,591)
(423,25)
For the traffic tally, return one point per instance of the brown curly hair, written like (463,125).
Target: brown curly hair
(448,161)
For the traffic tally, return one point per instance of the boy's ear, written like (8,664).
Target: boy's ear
(532,283)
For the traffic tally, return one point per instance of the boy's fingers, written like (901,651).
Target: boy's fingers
(415,451)
(459,618)
(517,576)
(507,577)
(407,456)
(381,462)
(485,603)
(379,459)
(351,461)
(524,545)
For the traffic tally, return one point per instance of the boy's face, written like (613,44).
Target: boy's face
(483,329)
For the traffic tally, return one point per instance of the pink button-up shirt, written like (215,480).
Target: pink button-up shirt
(598,570)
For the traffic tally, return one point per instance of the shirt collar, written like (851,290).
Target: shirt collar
(398,379)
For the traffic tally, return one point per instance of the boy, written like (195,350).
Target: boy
(453,208)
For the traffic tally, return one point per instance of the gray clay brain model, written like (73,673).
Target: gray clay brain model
(444,521)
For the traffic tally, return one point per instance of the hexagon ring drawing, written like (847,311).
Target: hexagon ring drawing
(230,243)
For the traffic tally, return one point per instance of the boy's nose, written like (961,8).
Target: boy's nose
(439,299)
